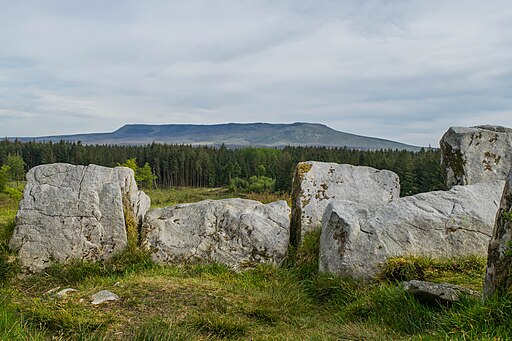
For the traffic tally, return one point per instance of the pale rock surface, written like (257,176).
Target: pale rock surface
(316,184)
(235,232)
(103,296)
(64,292)
(476,154)
(437,293)
(498,277)
(357,238)
(75,212)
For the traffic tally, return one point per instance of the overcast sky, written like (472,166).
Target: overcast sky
(401,70)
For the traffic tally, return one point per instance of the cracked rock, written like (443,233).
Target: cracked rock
(316,184)
(236,232)
(357,238)
(75,213)
(476,154)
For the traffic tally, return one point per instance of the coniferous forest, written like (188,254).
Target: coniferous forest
(206,166)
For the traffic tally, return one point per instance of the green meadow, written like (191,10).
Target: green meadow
(212,302)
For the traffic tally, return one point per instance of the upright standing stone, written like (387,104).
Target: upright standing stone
(476,154)
(316,184)
(75,212)
(498,277)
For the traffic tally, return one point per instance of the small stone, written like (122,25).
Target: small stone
(437,293)
(103,296)
(52,291)
(64,292)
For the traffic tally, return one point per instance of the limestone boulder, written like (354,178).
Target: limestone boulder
(476,154)
(498,277)
(75,212)
(358,238)
(437,293)
(316,184)
(235,232)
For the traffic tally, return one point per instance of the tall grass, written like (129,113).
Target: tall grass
(15,327)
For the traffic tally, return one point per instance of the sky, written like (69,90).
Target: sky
(400,70)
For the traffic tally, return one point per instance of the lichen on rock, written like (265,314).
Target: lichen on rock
(476,154)
(316,184)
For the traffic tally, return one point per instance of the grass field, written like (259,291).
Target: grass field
(211,302)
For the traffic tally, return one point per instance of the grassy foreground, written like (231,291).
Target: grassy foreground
(209,301)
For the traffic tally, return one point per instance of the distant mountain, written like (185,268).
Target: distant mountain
(231,135)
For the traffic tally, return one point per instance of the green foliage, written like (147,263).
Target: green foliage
(77,271)
(221,326)
(471,319)
(260,184)
(8,264)
(130,163)
(159,330)
(261,170)
(202,166)
(15,327)
(17,166)
(143,175)
(305,258)
(390,306)
(507,215)
(5,177)
(462,270)
(255,184)
(14,193)
(238,185)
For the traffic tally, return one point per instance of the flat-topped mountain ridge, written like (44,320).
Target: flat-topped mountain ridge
(231,135)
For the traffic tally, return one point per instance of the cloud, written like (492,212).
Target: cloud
(404,70)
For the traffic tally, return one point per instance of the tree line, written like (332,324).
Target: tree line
(207,166)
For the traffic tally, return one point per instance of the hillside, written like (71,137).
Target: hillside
(232,135)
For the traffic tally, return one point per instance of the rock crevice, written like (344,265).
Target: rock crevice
(74,212)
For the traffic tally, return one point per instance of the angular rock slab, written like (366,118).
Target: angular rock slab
(316,184)
(437,293)
(75,212)
(103,296)
(476,154)
(498,276)
(235,232)
(357,239)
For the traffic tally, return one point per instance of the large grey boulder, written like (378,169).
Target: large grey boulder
(357,238)
(498,277)
(316,184)
(476,154)
(75,212)
(236,232)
